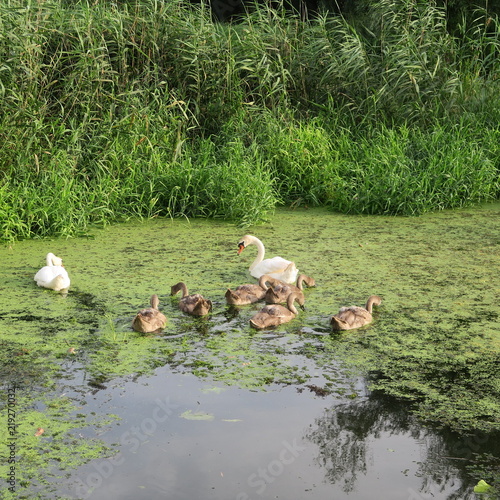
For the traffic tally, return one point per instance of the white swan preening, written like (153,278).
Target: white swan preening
(277,267)
(150,320)
(352,317)
(53,275)
(276,314)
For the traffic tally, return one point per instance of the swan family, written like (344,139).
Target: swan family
(280,285)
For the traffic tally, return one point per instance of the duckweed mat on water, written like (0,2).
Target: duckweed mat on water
(435,340)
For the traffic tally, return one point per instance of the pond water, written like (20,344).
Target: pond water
(213,409)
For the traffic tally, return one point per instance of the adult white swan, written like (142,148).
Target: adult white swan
(277,267)
(53,275)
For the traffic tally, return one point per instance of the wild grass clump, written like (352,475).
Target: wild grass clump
(403,171)
(140,109)
(302,156)
(229,182)
(398,170)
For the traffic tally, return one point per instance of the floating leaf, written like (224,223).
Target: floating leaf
(39,431)
(482,487)
(197,415)
(216,390)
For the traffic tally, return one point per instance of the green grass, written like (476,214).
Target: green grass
(141,109)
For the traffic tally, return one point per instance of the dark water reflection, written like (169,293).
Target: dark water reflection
(283,443)
(347,437)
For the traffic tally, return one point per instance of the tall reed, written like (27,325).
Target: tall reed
(138,109)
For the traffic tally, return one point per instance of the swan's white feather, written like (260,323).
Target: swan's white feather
(53,276)
(277,267)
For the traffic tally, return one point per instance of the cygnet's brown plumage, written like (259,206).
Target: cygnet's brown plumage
(194,304)
(276,314)
(279,292)
(352,317)
(150,319)
(248,294)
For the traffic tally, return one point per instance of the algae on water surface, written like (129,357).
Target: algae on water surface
(435,339)
(437,275)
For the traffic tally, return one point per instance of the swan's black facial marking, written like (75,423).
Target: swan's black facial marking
(241,246)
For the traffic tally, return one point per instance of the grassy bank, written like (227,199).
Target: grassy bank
(139,109)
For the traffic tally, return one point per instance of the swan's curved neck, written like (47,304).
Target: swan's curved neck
(290,303)
(300,281)
(155,301)
(50,256)
(304,279)
(263,281)
(180,286)
(371,301)
(260,252)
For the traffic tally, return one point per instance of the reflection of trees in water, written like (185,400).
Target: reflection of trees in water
(343,435)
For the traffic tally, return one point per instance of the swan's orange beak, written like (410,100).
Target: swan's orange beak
(241,247)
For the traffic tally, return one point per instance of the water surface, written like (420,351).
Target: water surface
(213,409)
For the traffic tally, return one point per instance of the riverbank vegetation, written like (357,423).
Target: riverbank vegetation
(138,109)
